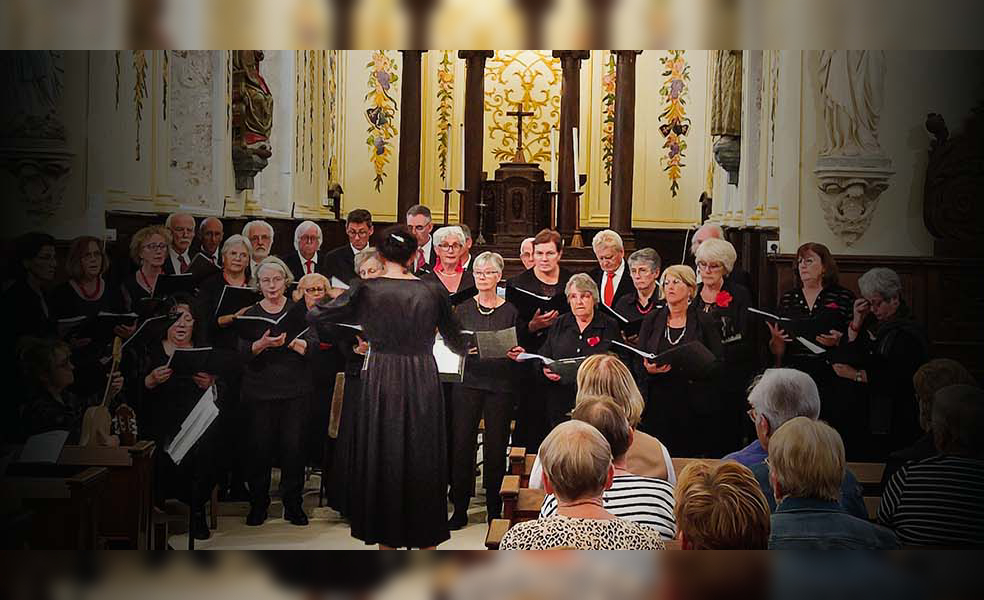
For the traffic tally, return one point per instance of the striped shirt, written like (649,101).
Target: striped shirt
(938,501)
(644,500)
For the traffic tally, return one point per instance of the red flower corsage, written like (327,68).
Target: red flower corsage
(594,341)
(723,299)
(832,306)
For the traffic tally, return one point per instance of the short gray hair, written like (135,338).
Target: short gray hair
(881,281)
(606,237)
(272,262)
(366,254)
(170,219)
(234,239)
(299,230)
(783,394)
(248,226)
(489,258)
(444,232)
(958,416)
(581,282)
(648,256)
(576,459)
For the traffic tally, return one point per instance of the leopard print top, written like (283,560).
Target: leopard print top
(559,531)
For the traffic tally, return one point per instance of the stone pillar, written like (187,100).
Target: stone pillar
(408,191)
(620,213)
(474,132)
(570,116)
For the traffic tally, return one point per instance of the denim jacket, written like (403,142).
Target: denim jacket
(810,523)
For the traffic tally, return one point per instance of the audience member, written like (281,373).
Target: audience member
(720,507)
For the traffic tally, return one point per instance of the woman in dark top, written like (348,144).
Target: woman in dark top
(644,266)
(450,245)
(275,389)
(487,390)
(678,408)
(546,278)
(398,486)
(885,348)
(148,248)
(353,349)
(582,332)
(86,294)
(48,369)
(166,400)
(727,303)
(816,294)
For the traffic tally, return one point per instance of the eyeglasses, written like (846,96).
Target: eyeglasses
(450,247)
(752,415)
(806,261)
(419,227)
(706,266)
(309,239)
(358,232)
(315,290)
(155,247)
(486,273)
(269,280)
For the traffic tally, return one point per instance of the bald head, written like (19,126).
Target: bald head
(706,232)
(211,233)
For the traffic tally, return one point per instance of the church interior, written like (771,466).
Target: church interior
(875,155)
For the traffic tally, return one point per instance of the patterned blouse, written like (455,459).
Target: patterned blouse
(559,531)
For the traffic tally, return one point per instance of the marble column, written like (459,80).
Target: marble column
(620,213)
(570,116)
(408,192)
(474,132)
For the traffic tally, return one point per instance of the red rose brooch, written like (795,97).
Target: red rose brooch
(832,306)
(723,299)
(594,341)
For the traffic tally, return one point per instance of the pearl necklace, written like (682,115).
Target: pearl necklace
(680,337)
(491,310)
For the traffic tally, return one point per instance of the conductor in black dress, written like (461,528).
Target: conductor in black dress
(398,487)
(678,407)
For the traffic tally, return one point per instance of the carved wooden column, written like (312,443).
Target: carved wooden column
(620,213)
(474,132)
(408,192)
(570,116)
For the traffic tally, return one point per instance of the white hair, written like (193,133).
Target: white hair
(582,282)
(881,281)
(782,394)
(272,262)
(444,232)
(170,219)
(237,239)
(489,258)
(299,231)
(248,226)
(528,240)
(365,255)
(715,250)
(606,237)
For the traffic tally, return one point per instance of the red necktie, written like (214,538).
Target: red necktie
(420,258)
(609,289)
(183,263)
(309,263)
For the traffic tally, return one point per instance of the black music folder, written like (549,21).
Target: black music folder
(527,302)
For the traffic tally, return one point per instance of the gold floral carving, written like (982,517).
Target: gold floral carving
(526,78)
(139,88)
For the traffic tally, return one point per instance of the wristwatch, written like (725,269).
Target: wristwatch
(857,376)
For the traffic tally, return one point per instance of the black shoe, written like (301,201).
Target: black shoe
(235,493)
(257,515)
(458,520)
(295,515)
(199,527)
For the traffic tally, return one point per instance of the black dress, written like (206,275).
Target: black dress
(679,411)
(566,340)
(398,486)
(730,313)
(487,390)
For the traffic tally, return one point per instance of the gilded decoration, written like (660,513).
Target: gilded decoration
(608,117)
(381,113)
(674,122)
(530,79)
(445,110)
(139,89)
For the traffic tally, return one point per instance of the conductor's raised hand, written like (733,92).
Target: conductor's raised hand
(655,369)
(542,320)
(515,352)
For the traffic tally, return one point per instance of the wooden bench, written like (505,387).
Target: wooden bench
(869,475)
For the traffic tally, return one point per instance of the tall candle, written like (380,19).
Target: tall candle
(576,158)
(461,128)
(447,159)
(553,160)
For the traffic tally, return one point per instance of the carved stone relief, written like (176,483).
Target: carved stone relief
(191,127)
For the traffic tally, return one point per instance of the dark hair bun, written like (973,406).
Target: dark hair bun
(398,244)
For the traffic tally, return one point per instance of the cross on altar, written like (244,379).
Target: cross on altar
(519,113)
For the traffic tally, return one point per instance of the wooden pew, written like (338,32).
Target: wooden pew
(869,475)
(125,511)
(497,530)
(519,504)
(65,501)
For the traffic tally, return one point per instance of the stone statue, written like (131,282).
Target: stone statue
(726,83)
(852,84)
(252,117)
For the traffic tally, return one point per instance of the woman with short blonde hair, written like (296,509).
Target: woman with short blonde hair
(720,506)
(148,248)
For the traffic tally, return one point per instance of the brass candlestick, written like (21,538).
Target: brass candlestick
(576,240)
(447,203)
(552,207)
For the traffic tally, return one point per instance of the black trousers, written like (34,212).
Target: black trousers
(467,410)
(531,411)
(277,429)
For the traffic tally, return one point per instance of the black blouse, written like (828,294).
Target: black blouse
(497,374)
(628,306)
(700,327)
(730,313)
(528,281)
(566,340)
(275,373)
(832,298)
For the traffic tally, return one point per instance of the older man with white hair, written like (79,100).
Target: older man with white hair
(182,228)
(610,276)
(777,396)
(707,231)
(307,242)
(260,236)
(526,253)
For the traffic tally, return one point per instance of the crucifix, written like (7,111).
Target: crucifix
(519,113)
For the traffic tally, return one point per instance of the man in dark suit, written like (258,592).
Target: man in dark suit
(182,227)
(612,275)
(466,257)
(210,236)
(420,223)
(307,243)
(340,262)
(713,230)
